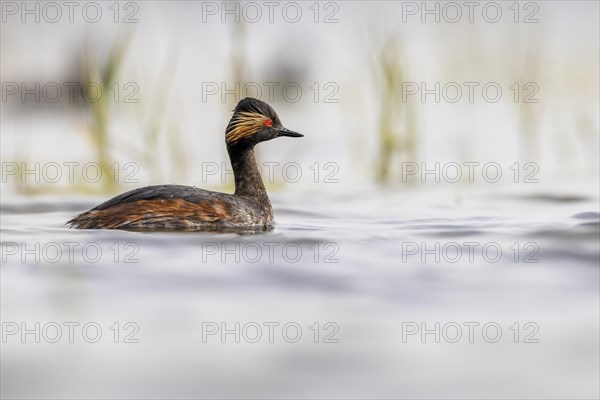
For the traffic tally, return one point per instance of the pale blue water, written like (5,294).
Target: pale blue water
(361,265)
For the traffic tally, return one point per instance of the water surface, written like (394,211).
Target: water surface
(366,267)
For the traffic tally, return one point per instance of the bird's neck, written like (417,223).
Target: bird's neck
(248,181)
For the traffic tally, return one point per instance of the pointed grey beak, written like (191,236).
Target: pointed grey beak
(286,132)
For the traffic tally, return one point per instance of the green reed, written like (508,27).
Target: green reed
(105,75)
(397,124)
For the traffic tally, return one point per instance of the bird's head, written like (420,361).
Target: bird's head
(254,121)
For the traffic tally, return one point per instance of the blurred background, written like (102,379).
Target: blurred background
(156,89)
(103,97)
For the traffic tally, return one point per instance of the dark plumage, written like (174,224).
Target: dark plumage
(186,207)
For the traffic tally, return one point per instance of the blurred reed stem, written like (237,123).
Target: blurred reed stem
(100,111)
(397,124)
(528,112)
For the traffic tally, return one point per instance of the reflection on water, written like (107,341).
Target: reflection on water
(355,273)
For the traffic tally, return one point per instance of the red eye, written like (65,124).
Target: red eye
(268,122)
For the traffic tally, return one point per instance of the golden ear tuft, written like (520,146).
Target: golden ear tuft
(243,125)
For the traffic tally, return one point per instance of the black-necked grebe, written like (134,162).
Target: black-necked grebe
(186,207)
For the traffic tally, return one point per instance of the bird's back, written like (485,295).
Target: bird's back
(175,207)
